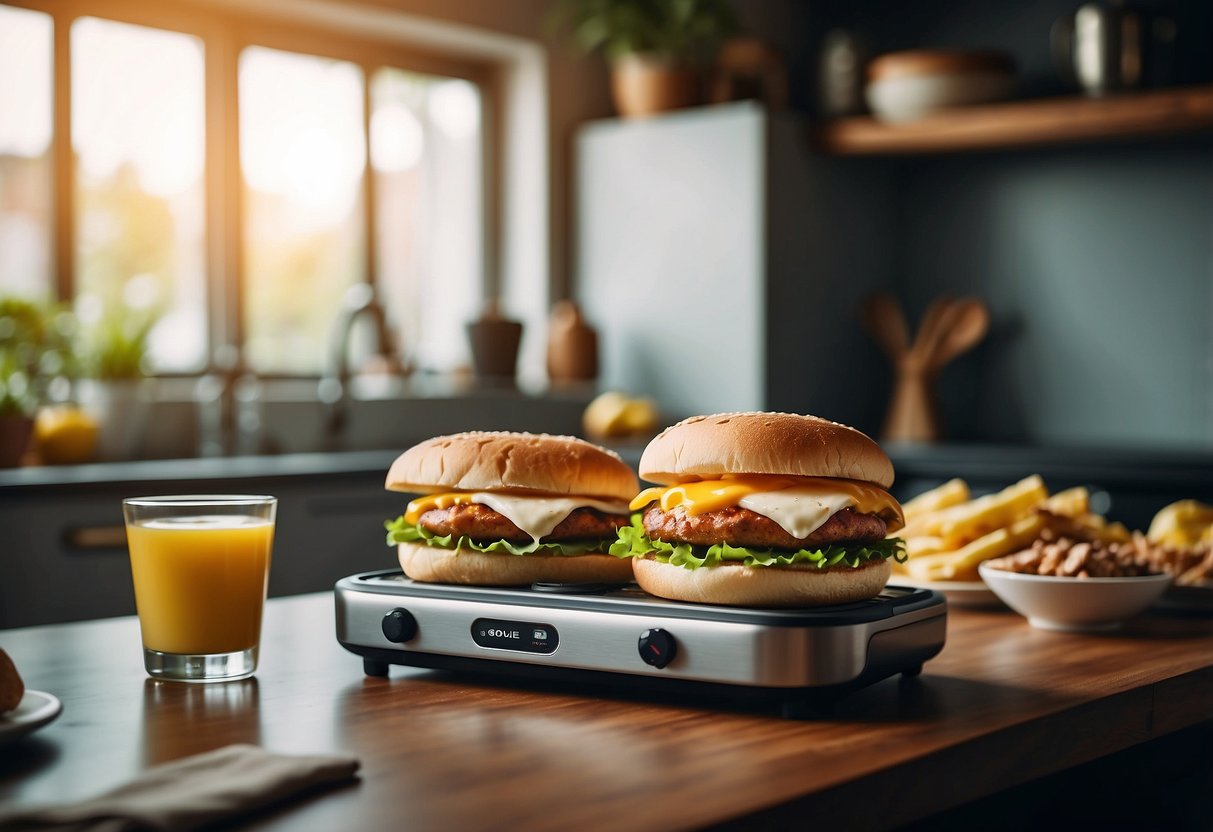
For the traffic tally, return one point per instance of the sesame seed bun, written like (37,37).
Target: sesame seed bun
(469,567)
(704,447)
(525,462)
(762,586)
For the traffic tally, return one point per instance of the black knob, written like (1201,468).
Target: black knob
(657,647)
(399,626)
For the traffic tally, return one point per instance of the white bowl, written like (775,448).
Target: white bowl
(1074,604)
(909,97)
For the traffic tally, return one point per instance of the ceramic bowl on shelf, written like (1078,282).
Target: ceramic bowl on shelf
(1074,604)
(905,86)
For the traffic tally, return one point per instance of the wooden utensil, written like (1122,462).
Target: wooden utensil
(970,324)
(883,318)
(949,327)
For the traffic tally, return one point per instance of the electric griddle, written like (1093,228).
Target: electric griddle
(618,633)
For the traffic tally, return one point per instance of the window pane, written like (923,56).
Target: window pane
(302,152)
(25,140)
(426,152)
(138,129)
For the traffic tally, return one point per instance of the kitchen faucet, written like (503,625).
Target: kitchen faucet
(333,388)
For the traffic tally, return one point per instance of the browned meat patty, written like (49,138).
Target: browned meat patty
(742,527)
(481,523)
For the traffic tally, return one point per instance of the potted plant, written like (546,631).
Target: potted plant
(16,409)
(655,47)
(114,353)
(35,348)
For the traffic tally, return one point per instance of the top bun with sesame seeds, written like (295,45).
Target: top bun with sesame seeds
(524,462)
(790,444)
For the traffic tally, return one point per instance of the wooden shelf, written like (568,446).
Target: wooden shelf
(1035,123)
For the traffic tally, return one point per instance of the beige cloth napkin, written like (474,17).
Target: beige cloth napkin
(193,792)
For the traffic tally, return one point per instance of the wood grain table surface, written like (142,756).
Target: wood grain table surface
(1004,703)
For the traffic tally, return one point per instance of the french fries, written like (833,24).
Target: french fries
(962,564)
(977,518)
(964,523)
(917,547)
(951,493)
(948,534)
(1073,502)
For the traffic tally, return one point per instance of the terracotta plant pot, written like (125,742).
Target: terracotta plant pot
(15,431)
(572,345)
(644,84)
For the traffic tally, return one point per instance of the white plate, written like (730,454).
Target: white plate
(958,593)
(35,710)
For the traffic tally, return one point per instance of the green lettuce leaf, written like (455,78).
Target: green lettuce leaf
(399,531)
(633,542)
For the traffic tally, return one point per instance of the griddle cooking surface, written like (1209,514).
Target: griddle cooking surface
(631,600)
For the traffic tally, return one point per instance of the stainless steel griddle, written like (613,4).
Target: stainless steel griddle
(618,634)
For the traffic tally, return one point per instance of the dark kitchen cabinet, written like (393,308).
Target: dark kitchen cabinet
(64,553)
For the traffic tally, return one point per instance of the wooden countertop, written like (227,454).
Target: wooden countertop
(1002,704)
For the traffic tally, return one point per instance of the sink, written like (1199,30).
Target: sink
(289,417)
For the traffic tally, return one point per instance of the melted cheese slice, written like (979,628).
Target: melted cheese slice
(800,505)
(536,516)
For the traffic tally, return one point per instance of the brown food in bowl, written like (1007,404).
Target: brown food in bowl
(1068,558)
(1190,565)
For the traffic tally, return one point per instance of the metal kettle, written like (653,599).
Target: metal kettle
(1102,49)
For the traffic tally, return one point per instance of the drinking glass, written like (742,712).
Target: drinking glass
(200,565)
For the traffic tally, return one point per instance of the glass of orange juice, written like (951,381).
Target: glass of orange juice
(200,564)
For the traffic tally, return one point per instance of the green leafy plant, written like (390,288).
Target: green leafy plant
(115,348)
(35,348)
(682,30)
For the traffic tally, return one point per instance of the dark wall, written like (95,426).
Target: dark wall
(1096,260)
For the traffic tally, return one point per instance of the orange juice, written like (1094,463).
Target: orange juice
(200,581)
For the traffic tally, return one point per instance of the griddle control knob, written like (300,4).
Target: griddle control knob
(399,626)
(657,647)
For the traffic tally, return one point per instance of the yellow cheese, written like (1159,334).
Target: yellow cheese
(418,507)
(535,515)
(800,505)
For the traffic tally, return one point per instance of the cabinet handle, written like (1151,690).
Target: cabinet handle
(97,537)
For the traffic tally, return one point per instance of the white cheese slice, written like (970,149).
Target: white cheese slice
(798,511)
(538,516)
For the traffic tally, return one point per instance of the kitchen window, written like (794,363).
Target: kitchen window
(26,42)
(233,178)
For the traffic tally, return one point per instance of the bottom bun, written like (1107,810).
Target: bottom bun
(467,566)
(762,586)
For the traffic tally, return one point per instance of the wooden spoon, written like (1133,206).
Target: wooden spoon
(970,323)
(932,328)
(886,323)
(949,327)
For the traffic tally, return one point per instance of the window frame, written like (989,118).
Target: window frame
(225,34)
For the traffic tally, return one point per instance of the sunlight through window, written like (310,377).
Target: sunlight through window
(426,148)
(140,236)
(138,131)
(302,153)
(25,142)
